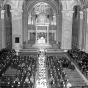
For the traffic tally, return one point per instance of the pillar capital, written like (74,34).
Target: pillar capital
(16,13)
(17,9)
(67,12)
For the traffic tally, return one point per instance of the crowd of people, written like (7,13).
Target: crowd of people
(81,58)
(56,75)
(5,59)
(66,63)
(26,68)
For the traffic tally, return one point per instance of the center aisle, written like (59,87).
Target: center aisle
(48,86)
(41,73)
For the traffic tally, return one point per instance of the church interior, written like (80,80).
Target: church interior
(43,44)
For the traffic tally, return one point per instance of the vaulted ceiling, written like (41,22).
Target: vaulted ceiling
(83,3)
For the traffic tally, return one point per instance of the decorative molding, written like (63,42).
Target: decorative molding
(16,13)
(42,8)
(67,13)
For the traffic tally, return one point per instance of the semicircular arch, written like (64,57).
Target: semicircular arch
(76,4)
(52,5)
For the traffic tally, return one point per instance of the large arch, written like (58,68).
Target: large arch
(28,8)
(76,3)
(15,4)
(53,5)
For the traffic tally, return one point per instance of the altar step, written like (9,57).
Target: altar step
(53,50)
(30,51)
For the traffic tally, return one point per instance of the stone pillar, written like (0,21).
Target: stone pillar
(48,34)
(2,32)
(57,30)
(55,21)
(80,30)
(25,25)
(17,27)
(67,17)
(36,33)
(60,27)
(86,31)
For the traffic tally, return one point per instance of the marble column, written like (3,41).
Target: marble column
(2,32)
(80,30)
(60,27)
(25,26)
(17,27)
(57,30)
(36,33)
(86,31)
(67,17)
(48,34)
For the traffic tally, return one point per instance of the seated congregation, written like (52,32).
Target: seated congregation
(80,58)
(22,69)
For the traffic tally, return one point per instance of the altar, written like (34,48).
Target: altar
(41,44)
(41,40)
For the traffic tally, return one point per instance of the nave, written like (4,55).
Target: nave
(43,70)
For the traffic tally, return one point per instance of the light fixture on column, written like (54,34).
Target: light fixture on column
(2,14)
(54,20)
(29,19)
